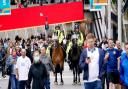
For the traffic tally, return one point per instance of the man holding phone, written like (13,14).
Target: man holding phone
(91,62)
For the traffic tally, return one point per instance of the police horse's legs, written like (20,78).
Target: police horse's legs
(58,69)
(55,82)
(74,76)
(61,81)
(78,82)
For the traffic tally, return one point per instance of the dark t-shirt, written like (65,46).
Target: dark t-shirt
(112,60)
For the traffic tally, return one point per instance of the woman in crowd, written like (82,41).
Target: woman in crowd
(11,62)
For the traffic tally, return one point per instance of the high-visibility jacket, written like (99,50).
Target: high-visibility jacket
(60,35)
(69,47)
(48,49)
(80,39)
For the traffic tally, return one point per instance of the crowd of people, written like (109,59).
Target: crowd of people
(22,60)
(29,60)
(22,72)
(100,64)
(26,3)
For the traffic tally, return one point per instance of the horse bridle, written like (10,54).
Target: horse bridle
(55,43)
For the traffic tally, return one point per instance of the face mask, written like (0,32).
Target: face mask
(36,59)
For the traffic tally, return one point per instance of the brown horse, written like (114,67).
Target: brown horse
(58,56)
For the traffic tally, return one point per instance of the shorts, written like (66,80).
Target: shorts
(113,77)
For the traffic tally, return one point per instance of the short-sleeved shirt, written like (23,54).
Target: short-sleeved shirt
(112,60)
(23,66)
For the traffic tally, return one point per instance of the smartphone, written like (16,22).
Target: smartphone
(88,58)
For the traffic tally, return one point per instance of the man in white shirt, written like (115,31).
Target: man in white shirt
(91,62)
(22,68)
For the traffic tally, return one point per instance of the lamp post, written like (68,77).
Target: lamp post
(109,20)
(46,27)
(46,24)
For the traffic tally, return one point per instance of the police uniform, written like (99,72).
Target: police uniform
(48,49)
(80,40)
(59,33)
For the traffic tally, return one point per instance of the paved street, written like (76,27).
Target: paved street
(67,77)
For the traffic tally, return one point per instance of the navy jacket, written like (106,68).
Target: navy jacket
(84,66)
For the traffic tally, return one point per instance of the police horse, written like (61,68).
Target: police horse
(73,57)
(58,56)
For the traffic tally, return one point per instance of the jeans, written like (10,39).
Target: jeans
(47,83)
(22,84)
(13,81)
(93,85)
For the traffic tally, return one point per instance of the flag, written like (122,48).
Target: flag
(100,2)
(94,7)
(5,7)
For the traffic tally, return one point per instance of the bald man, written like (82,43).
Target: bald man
(22,68)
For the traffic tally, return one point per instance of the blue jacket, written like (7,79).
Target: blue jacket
(124,69)
(84,66)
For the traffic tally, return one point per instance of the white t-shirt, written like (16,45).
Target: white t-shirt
(23,66)
(94,65)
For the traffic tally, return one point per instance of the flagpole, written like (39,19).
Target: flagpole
(119,22)
(109,20)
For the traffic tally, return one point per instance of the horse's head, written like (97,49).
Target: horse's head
(74,40)
(55,43)
(55,40)
(64,41)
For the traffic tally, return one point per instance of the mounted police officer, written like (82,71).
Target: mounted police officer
(59,33)
(76,34)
